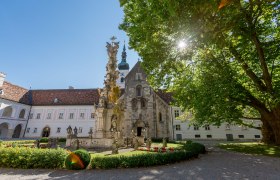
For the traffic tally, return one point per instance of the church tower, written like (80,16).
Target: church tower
(123,67)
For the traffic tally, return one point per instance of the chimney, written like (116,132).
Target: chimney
(2,79)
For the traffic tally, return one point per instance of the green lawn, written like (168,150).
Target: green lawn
(252,148)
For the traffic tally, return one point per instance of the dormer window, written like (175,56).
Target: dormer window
(138,91)
(55,100)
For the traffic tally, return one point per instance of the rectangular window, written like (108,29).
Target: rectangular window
(92,116)
(257,136)
(58,130)
(227,127)
(197,136)
(176,113)
(35,130)
(178,127)
(71,116)
(38,116)
(49,116)
(82,115)
(241,136)
(31,116)
(207,127)
(196,127)
(27,130)
(60,116)
(209,136)
(80,129)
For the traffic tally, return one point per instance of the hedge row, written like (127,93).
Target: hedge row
(189,150)
(140,160)
(31,158)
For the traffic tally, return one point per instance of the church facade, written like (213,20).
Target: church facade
(143,111)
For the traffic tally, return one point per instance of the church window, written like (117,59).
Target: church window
(7,112)
(35,130)
(134,103)
(138,76)
(82,115)
(38,116)
(58,130)
(122,79)
(196,127)
(22,113)
(143,103)
(138,91)
(178,127)
(160,117)
(240,136)
(80,129)
(176,113)
(31,116)
(92,116)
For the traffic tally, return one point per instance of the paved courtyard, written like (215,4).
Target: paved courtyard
(217,164)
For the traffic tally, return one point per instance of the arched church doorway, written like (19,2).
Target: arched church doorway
(4,130)
(46,132)
(139,131)
(17,131)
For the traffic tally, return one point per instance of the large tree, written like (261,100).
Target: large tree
(230,67)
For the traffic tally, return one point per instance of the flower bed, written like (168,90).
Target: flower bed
(157,149)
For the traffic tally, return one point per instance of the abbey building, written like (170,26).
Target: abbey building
(142,111)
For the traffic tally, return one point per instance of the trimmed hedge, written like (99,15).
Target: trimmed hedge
(31,158)
(189,150)
(140,160)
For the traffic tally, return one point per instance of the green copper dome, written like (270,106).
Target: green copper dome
(123,65)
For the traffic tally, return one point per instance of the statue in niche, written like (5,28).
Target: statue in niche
(114,123)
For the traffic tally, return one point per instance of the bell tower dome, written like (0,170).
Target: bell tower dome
(123,67)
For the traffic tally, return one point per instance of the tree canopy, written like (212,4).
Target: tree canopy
(230,65)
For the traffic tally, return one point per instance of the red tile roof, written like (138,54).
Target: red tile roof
(14,93)
(65,97)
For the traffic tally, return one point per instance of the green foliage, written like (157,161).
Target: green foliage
(31,158)
(253,148)
(231,65)
(147,159)
(194,147)
(77,160)
(44,140)
(62,140)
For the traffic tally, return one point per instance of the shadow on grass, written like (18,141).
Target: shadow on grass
(252,148)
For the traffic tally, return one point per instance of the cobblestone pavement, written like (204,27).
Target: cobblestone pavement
(217,164)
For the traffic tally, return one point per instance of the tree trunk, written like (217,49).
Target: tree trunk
(271,127)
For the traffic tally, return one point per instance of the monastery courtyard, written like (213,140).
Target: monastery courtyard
(216,164)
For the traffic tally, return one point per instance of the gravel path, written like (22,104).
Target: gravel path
(217,164)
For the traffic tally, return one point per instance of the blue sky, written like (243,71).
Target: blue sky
(52,44)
